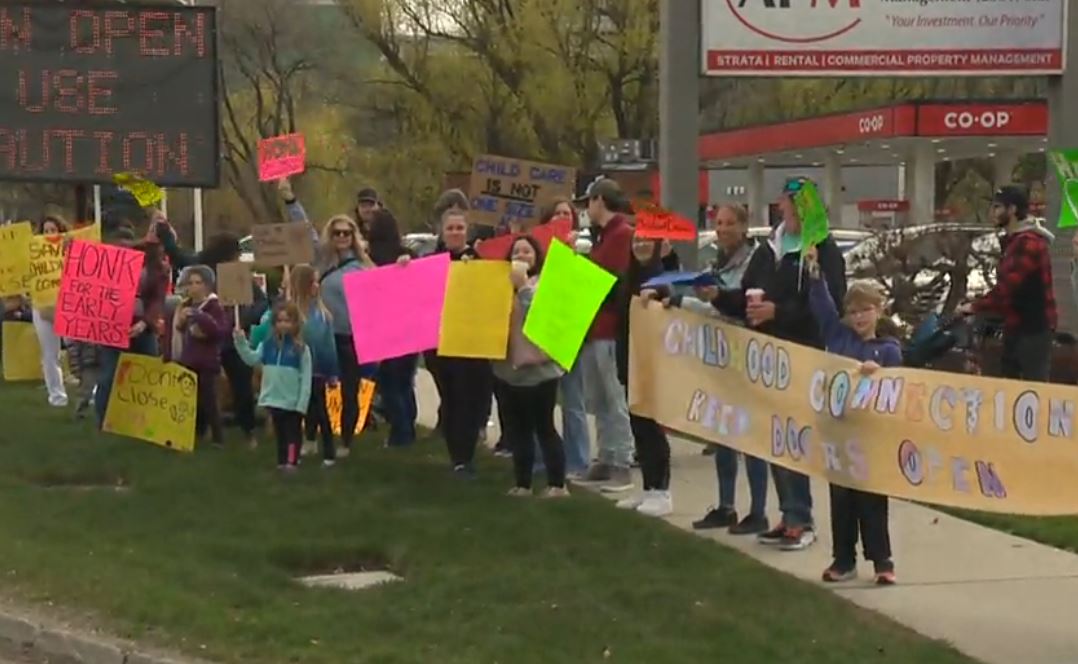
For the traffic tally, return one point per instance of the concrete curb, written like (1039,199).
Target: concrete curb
(33,641)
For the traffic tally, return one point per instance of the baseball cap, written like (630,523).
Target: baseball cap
(609,190)
(1012,195)
(367,195)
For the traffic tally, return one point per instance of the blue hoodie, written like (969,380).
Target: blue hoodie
(286,372)
(840,339)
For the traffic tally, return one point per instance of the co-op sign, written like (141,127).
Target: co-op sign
(882,37)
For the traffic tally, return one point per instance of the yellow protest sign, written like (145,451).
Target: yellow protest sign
(154,401)
(334,403)
(47,262)
(949,439)
(21,352)
(145,192)
(15,259)
(570,291)
(475,318)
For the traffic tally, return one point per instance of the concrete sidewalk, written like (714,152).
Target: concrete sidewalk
(999,598)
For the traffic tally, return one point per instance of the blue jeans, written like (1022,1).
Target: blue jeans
(574,421)
(795,496)
(613,433)
(726,470)
(396,384)
(109,358)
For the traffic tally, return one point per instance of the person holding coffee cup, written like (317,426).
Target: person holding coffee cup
(774,299)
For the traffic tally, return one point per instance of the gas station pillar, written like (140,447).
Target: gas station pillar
(1003,166)
(1063,135)
(757,196)
(921,184)
(679,113)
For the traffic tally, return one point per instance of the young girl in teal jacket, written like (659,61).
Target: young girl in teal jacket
(286,379)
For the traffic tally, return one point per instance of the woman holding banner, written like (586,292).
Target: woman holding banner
(464,384)
(46,334)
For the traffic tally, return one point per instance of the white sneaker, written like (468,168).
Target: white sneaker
(632,502)
(659,503)
(58,403)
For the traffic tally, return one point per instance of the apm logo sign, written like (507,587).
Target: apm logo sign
(797,21)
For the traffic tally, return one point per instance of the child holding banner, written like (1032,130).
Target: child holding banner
(287,369)
(852,510)
(325,370)
(528,384)
(198,329)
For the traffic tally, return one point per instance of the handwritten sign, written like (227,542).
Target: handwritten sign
(47,263)
(21,352)
(570,291)
(478,301)
(154,401)
(97,294)
(397,309)
(505,190)
(283,244)
(281,156)
(655,223)
(145,192)
(335,404)
(944,438)
(15,259)
(235,284)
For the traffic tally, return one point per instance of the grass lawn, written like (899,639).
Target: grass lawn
(1057,531)
(198,556)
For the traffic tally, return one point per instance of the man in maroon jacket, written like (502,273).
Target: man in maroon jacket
(613,239)
(1023,294)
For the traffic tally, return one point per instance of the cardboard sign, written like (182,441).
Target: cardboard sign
(281,156)
(145,192)
(15,259)
(47,263)
(97,294)
(655,223)
(929,436)
(478,301)
(505,190)
(21,352)
(335,403)
(397,309)
(283,244)
(235,284)
(570,291)
(154,401)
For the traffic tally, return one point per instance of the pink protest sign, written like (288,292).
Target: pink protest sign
(397,309)
(281,156)
(96,303)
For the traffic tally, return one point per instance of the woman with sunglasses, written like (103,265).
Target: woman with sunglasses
(339,250)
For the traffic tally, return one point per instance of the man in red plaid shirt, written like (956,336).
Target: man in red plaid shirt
(1023,293)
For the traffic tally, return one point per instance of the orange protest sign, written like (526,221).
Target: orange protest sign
(334,404)
(281,156)
(655,223)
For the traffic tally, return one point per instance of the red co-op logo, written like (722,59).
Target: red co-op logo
(982,120)
(797,21)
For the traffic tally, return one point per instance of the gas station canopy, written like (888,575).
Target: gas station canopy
(885,136)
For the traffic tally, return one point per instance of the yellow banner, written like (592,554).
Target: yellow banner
(949,439)
(475,319)
(21,352)
(47,254)
(334,403)
(155,401)
(15,259)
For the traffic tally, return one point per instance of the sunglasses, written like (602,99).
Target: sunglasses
(343,232)
(792,186)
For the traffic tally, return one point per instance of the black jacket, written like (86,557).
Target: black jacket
(638,274)
(786,283)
